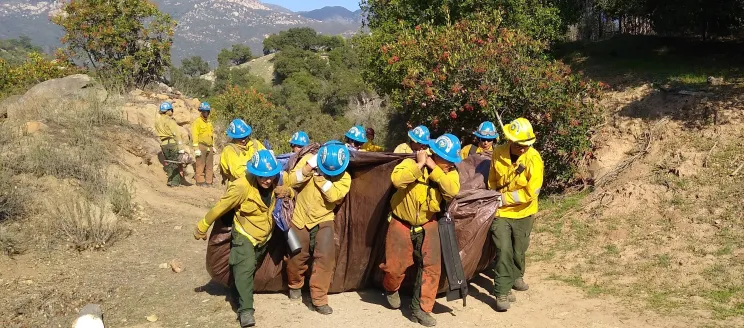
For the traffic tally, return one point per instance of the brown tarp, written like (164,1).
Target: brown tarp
(361,225)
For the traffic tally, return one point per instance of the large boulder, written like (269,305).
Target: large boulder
(141,114)
(183,113)
(78,87)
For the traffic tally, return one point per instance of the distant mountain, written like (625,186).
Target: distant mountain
(334,14)
(204,26)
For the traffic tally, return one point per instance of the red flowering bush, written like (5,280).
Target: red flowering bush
(453,77)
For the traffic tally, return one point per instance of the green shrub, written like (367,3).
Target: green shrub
(127,42)
(35,69)
(453,77)
(121,197)
(87,225)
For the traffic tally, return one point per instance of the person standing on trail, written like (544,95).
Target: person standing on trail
(370,144)
(167,131)
(299,140)
(423,188)
(250,200)
(419,140)
(486,135)
(516,172)
(324,183)
(355,138)
(239,151)
(202,133)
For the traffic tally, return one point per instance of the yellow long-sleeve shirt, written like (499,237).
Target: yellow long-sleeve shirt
(202,132)
(370,146)
(167,130)
(234,157)
(519,197)
(465,152)
(416,201)
(317,196)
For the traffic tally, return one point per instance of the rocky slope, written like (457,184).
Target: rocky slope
(204,26)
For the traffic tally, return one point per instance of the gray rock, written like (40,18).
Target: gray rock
(70,88)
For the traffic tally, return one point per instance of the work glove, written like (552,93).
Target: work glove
(197,152)
(500,202)
(181,151)
(200,230)
(214,150)
(283,192)
(313,161)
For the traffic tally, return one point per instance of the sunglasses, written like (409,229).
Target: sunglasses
(485,140)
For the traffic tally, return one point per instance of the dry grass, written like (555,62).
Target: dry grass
(77,150)
(673,251)
(87,225)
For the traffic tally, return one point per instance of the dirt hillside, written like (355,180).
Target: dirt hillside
(656,244)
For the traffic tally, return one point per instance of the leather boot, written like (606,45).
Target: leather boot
(424,318)
(393,299)
(502,303)
(324,309)
(520,285)
(295,294)
(512,298)
(247,319)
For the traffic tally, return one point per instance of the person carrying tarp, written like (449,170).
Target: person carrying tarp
(251,200)
(170,142)
(516,172)
(419,140)
(299,139)
(355,138)
(326,183)
(423,186)
(370,144)
(202,133)
(486,135)
(239,151)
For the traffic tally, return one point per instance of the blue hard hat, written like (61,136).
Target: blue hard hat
(238,129)
(357,133)
(166,106)
(205,107)
(420,134)
(263,164)
(333,158)
(447,146)
(300,138)
(486,130)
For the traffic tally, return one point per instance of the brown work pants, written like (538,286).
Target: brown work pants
(317,242)
(405,247)
(205,165)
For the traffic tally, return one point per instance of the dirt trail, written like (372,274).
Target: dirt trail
(129,284)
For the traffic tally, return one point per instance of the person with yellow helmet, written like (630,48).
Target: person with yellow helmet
(516,172)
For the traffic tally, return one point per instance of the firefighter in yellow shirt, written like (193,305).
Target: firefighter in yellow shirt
(250,201)
(324,183)
(486,135)
(419,140)
(170,142)
(355,138)
(424,186)
(516,172)
(239,151)
(202,133)
(370,144)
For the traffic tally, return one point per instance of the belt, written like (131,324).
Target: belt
(414,229)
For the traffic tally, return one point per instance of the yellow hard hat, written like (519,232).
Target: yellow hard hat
(520,132)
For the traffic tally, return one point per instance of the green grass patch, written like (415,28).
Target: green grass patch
(663,260)
(662,301)
(677,61)
(592,290)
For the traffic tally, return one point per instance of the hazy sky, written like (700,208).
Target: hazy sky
(305,5)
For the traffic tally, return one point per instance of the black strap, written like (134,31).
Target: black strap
(458,284)
(472,150)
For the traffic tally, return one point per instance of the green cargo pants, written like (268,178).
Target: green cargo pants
(170,152)
(244,260)
(512,238)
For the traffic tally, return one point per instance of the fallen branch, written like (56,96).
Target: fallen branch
(705,162)
(737,169)
(612,175)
